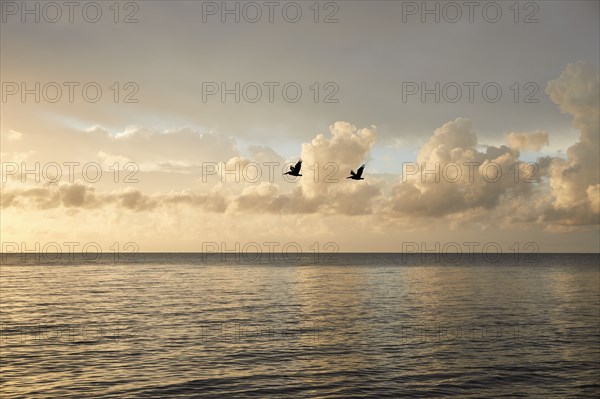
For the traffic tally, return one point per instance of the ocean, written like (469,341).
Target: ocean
(336,326)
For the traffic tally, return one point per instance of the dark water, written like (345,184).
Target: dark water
(352,325)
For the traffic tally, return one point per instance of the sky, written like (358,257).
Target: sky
(167,126)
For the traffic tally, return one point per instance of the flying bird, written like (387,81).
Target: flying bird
(358,174)
(295,170)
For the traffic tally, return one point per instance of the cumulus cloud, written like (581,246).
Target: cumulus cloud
(332,157)
(260,198)
(327,160)
(452,175)
(577,93)
(593,196)
(527,141)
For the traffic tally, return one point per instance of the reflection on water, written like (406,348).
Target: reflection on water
(364,325)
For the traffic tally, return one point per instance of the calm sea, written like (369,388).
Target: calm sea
(341,326)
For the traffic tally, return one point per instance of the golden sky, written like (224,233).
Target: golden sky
(158,119)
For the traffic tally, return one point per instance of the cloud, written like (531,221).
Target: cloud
(577,93)
(563,192)
(454,177)
(82,196)
(327,160)
(323,189)
(177,150)
(109,160)
(259,198)
(332,157)
(451,175)
(263,154)
(527,141)
(593,196)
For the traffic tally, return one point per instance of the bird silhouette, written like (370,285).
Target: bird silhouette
(295,170)
(357,175)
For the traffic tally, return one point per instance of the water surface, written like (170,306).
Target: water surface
(353,325)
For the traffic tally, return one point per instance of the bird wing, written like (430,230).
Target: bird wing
(352,173)
(298,166)
(359,172)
